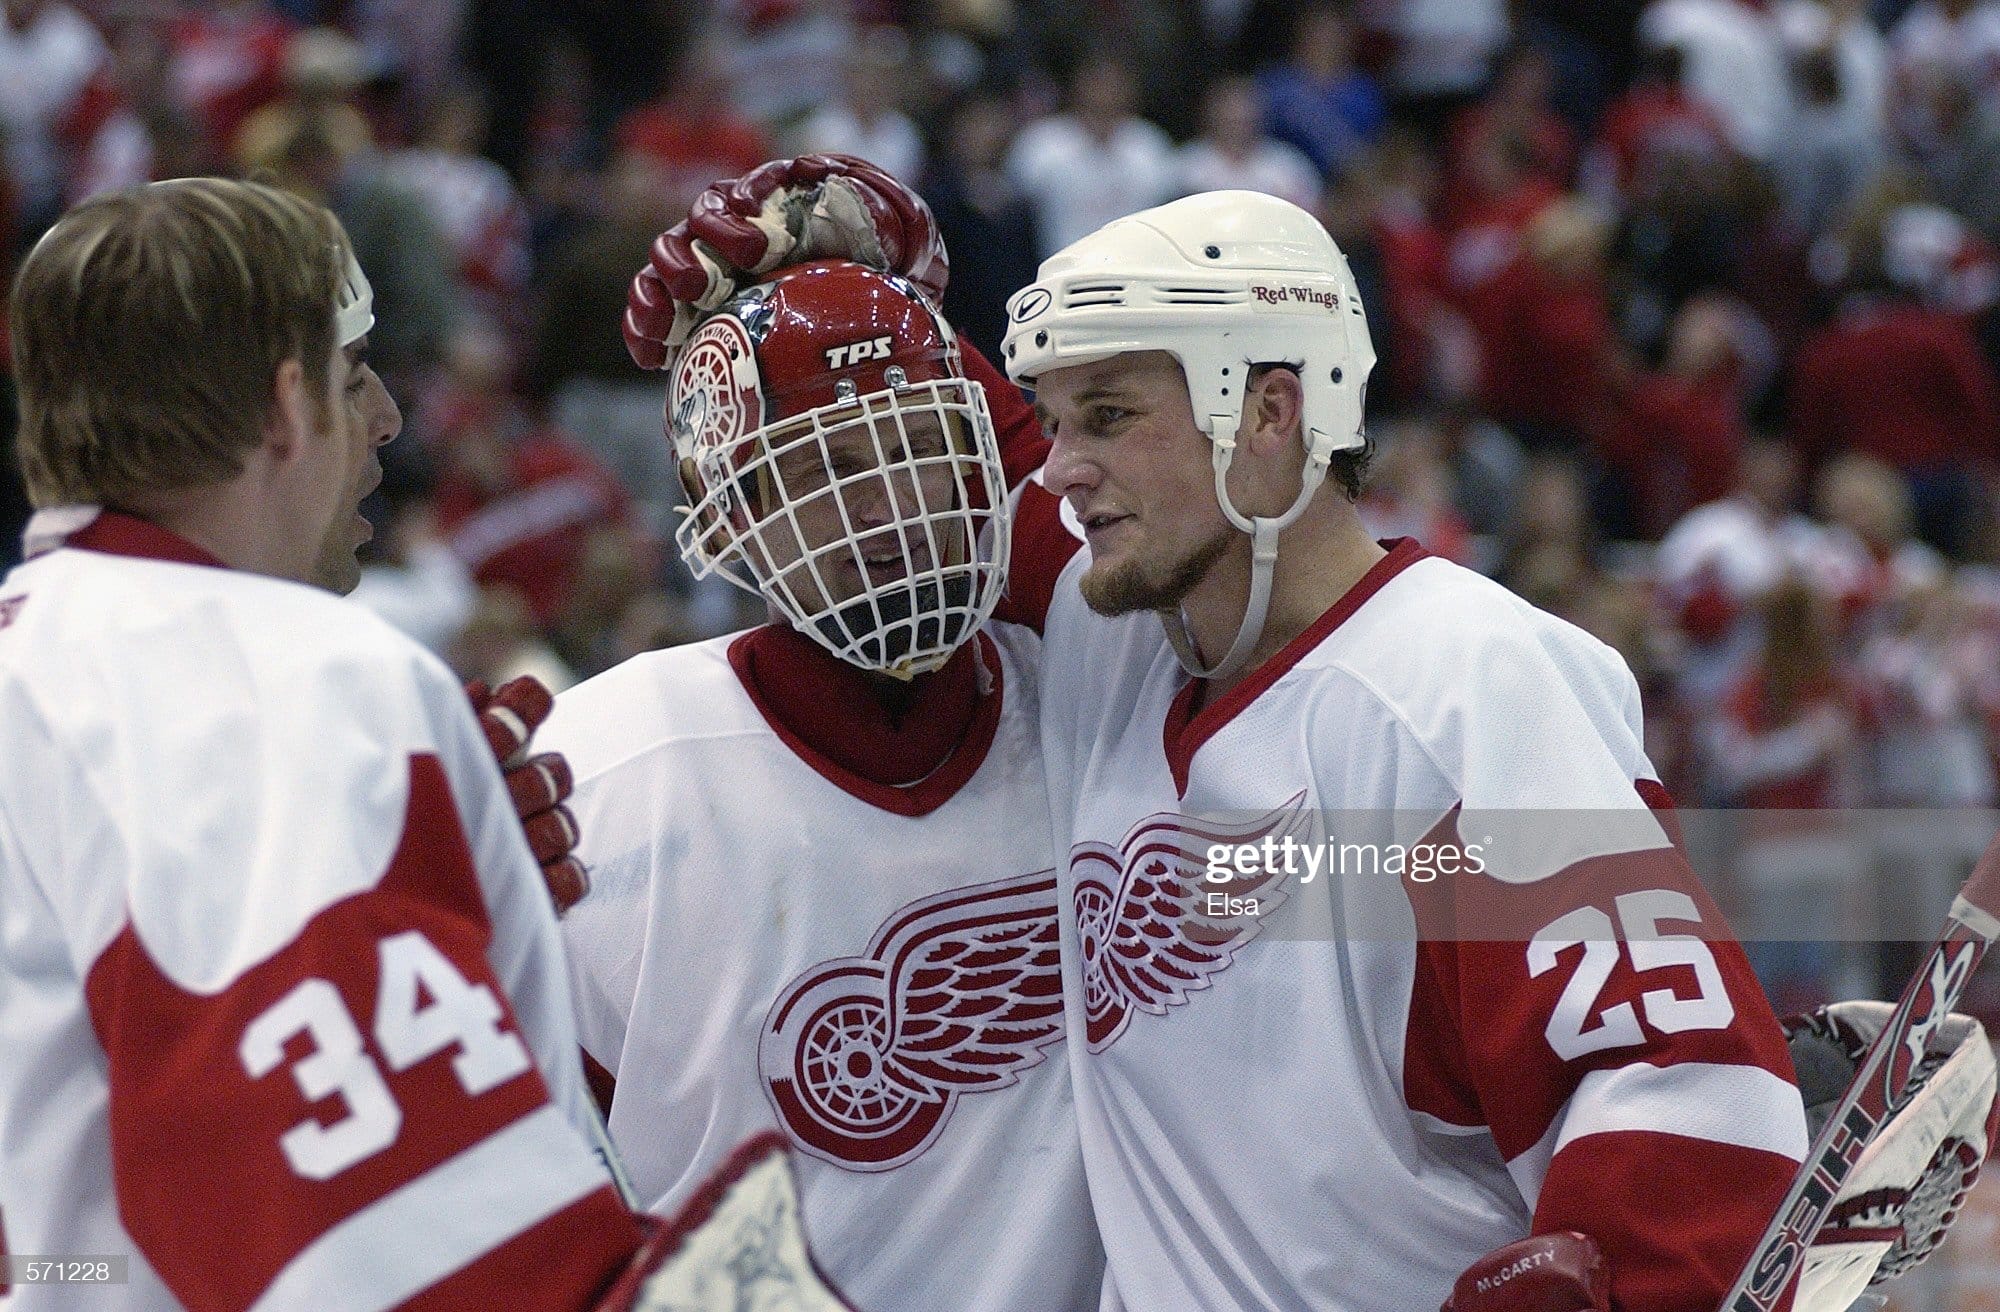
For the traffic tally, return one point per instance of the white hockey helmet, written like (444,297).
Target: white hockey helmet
(353,304)
(1222,281)
(839,463)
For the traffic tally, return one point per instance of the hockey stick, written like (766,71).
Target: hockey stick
(1877,1090)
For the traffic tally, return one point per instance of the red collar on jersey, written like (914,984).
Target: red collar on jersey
(827,712)
(117,534)
(1187,729)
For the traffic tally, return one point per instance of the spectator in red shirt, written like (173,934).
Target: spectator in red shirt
(1907,384)
(692,131)
(1681,431)
(1518,103)
(1787,733)
(1552,363)
(519,503)
(1657,120)
(228,60)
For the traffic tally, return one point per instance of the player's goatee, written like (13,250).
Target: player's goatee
(1120,589)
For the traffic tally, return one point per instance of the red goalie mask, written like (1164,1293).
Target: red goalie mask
(838,463)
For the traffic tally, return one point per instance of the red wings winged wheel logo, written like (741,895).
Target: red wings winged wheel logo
(1144,927)
(864,1057)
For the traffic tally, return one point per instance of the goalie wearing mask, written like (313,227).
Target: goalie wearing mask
(822,898)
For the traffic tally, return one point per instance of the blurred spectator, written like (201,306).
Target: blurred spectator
(1894,379)
(1715,565)
(408,262)
(1487,465)
(1735,65)
(473,204)
(1233,154)
(1959,39)
(1503,200)
(1096,162)
(1426,348)
(1832,154)
(866,119)
(322,72)
(1864,554)
(130,126)
(1926,675)
(1552,364)
(578,371)
(49,54)
(1952,142)
(1786,741)
(1787,735)
(1681,431)
(1846,32)
(1317,100)
(519,502)
(409,576)
(1410,493)
(228,61)
(1657,128)
(693,132)
(500,642)
(1518,105)
(414,43)
(1442,51)
(1549,553)
(786,58)
(980,210)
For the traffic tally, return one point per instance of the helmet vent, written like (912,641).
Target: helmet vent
(1212,295)
(1086,295)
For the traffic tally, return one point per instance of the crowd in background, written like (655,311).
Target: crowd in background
(1688,310)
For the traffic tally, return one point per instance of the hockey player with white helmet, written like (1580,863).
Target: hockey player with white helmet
(823,895)
(1369,1104)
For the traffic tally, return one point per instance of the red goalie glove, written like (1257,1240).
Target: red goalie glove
(537,785)
(785,212)
(1545,1273)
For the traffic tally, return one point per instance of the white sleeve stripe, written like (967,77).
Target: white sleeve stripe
(442,1220)
(1742,1106)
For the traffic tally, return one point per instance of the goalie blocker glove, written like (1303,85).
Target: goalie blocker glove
(1892,1213)
(1908,1185)
(789,211)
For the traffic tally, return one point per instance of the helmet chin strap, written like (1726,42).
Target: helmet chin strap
(1263,531)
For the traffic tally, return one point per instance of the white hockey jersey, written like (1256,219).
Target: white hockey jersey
(1340,1099)
(771,941)
(283,1013)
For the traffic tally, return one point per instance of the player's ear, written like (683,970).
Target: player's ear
(1274,410)
(288,419)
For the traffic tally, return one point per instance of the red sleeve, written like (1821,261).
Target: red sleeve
(1042,546)
(355,1118)
(1023,445)
(1609,1034)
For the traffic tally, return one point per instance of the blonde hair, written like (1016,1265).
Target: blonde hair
(148,326)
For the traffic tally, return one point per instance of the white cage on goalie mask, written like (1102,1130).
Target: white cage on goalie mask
(840,465)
